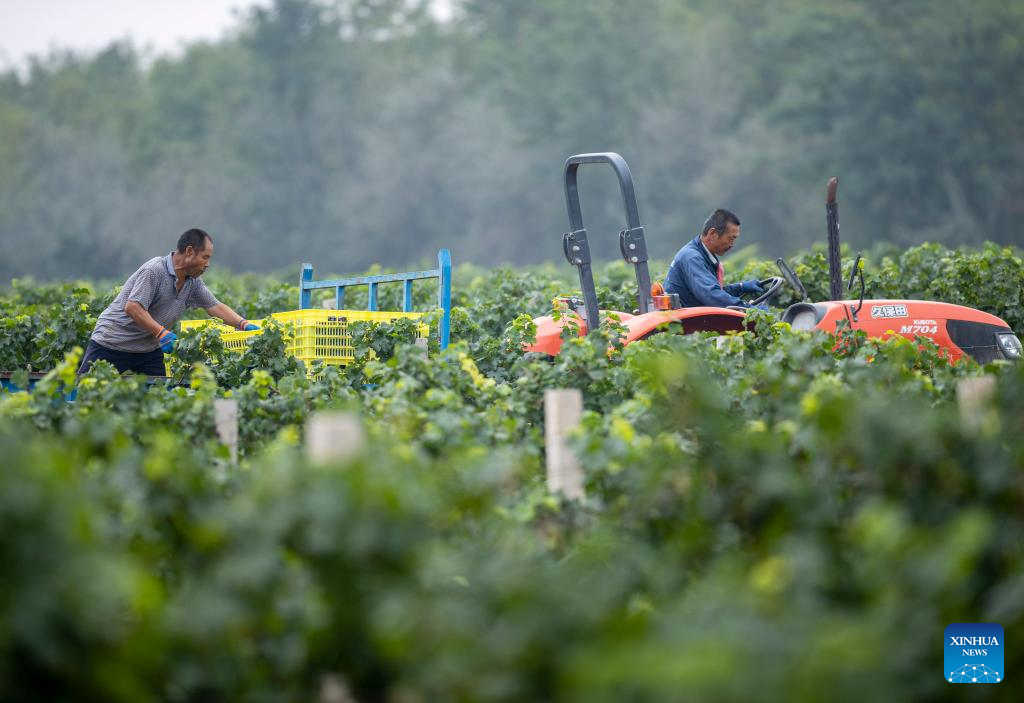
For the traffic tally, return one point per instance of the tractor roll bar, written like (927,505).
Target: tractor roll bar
(631,239)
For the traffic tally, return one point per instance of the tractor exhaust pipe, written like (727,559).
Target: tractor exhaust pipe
(835,273)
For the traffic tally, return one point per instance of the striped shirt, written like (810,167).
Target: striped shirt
(153,287)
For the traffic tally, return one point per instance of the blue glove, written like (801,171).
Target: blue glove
(246,326)
(751,286)
(167,340)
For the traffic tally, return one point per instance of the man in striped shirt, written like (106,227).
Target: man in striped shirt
(134,332)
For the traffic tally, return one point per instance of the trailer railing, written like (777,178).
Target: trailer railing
(443,274)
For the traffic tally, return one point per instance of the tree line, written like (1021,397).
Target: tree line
(362,131)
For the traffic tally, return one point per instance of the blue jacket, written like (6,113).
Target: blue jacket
(694,276)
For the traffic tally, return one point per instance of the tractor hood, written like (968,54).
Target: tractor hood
(957,329)
(704,319)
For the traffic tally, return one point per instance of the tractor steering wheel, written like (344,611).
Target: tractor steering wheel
(771,286)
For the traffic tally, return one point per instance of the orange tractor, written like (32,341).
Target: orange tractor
(957,329)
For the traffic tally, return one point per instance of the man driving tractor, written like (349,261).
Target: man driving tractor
(696,273)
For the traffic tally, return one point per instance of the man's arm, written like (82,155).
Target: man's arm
(142,318)
(705,287)
(751,286)
(142,291)
(229,316)
(733,289)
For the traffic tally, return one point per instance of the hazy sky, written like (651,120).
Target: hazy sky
(34,26)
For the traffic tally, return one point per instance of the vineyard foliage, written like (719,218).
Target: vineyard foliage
(768,515)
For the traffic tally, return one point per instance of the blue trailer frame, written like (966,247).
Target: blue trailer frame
(8,384)
(443,274)
(34,377)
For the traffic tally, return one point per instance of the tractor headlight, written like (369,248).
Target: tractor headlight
(804,320)
(803,316)
(1010,345)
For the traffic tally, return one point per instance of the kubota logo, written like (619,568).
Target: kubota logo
(888,311)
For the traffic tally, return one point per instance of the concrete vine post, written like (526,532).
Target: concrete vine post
(225,412)
(974,396)
(334,436)
(563,408)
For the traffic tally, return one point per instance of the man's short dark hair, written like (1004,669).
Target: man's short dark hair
(195,238)
(719,221)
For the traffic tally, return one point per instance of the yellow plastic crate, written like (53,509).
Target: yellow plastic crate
(192,324)
(313,335)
